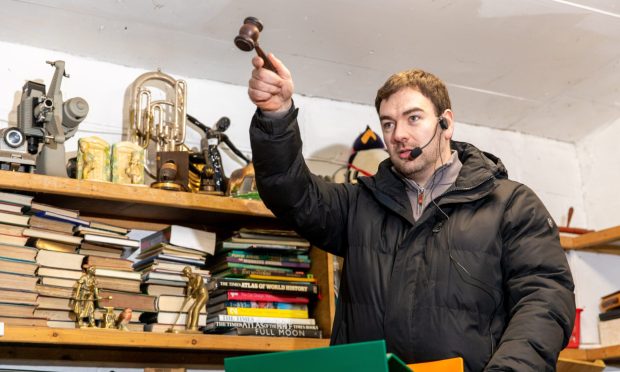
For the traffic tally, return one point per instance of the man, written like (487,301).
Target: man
(444,256)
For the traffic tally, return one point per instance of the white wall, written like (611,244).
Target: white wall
(328,127)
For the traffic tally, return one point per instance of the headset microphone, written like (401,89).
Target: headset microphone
(417,151)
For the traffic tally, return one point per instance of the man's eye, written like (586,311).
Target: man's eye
(387,125)
(414,118)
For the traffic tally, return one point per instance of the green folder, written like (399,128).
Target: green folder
(360,357)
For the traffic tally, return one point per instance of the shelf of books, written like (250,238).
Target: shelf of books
(74,282)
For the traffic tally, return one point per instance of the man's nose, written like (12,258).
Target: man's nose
(400,133)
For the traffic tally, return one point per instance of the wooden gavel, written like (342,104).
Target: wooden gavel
(248,40)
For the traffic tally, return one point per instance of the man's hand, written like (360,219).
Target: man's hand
(268,90)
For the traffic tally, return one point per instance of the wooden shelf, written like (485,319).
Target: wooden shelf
(602,241)
(137,202)
(114,347)
(606,353)
(147,208)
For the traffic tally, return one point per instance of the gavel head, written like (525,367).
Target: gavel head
(248,34)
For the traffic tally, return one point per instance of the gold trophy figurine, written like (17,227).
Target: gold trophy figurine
(86,293)
(197,290)
(109,318)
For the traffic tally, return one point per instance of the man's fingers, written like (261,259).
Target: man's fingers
(280,68)
(263,86)
(257,62)
(258,95)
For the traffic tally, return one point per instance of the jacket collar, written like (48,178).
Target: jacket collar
(476,180)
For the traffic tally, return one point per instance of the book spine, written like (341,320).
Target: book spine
(278,313)
(257,319)
(269,332)
(215,326)
(265,297)
(300,265)
(610,303)
(277,287)
(153,239)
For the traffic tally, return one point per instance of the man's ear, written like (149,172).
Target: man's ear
(449,117)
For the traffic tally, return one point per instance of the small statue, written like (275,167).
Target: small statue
(86,293)
(109,321)
(197,290)
(123,319)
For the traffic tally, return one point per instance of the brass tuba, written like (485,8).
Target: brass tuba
(157,124)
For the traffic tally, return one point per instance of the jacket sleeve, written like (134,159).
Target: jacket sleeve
(316,209)
(539,288)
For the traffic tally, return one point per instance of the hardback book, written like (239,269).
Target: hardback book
(11,230)
(110,273)
(259,246)
(60,260)
(54,291)
(18,297)
(54,236)
(50,314)
(40,207)
(164,276)
(18,310)
(83,230)
(222,327)
(159,290)
(62,218)
(11,208)
(11,265)
(293,288)
(610,301)
(269,256)
(53,303)
(51,245)
(270,263)
(257,305)
(28,321)
(58,282)
(108,263)
(102,248)
(18,282)
(18,252)
(59,273)
(223,266)
(13,198)
(14,219)
(259,319)
(169,257)
(164,282)
(172,250)
(121,300)
(107,227)
(181,236)
(269,234)
(11,239)
(90,252)
(169,318)
(277,332)
(258,312)
(256,296)
(53,225)
(174,303)
(119,284)
(282,242)
(264,274)
(111,240)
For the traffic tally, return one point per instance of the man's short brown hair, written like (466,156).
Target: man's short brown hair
(426,83)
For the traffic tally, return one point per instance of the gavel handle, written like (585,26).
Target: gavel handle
(268,65)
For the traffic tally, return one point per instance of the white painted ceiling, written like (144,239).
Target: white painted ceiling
(545,67)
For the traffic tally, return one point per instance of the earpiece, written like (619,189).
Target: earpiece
(443,123)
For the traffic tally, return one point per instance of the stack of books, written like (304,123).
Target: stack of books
(17,263)
(261,287)
(162,258)
(609,319)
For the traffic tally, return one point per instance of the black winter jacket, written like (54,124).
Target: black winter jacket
(490,283)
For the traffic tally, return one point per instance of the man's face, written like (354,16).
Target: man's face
(408,120)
